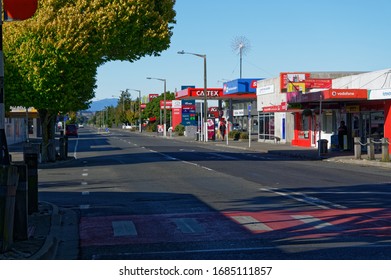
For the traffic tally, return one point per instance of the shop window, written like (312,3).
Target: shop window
(305,127)
(266,126)
(328,123)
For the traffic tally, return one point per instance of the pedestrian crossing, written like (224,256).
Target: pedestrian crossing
(209,226)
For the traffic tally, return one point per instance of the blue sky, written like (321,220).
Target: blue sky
(283,35)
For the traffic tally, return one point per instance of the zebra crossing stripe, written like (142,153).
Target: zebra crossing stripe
(312,221)
(124,228)
(188,225)
(251,223)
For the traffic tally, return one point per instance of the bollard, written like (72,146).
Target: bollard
(32,182)
(63,149)
(66,146)
(21,213)
(371,149)
(385,156)
(357,148)
(8,182)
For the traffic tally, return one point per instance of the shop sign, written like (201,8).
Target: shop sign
(265,89)
(213,111)
(168,104)
(176,104)
(238,113)
(352,108)
(241,86)
(152,96)
(318,83)
(198,93)
(292,77)
(209,93)
(346,94)
(379,94)
(275,108)
(189,113)
(296,87)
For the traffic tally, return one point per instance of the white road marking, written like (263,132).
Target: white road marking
(306,199)
(314,222)
(189,225)
(124,228)
(75,150)
(251,223)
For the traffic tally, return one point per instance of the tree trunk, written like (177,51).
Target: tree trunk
(48,135)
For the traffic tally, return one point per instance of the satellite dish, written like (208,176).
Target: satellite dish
(19,9)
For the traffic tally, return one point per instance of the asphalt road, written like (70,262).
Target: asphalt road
(143,197)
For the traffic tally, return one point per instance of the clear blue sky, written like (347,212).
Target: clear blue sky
(284,35)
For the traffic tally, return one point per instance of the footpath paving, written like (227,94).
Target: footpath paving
(53,232)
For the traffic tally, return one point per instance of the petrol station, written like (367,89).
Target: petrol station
(235,104)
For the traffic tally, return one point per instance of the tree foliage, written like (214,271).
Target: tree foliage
(51,60)
(153,107)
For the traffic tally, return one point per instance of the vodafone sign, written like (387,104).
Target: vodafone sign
(346,94)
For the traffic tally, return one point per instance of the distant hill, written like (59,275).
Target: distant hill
(100,105)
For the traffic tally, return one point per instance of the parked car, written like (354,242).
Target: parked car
(71,130)
(237,127)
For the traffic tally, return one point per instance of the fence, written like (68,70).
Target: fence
(370,145)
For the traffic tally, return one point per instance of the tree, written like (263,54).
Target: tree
(153,108)
(51,60)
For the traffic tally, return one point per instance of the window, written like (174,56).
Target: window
(266,126)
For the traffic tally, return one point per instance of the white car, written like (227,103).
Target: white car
(127,126)
(81,125)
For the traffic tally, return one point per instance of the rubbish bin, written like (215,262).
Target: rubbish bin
(197,136)
(322,146)
(8,184)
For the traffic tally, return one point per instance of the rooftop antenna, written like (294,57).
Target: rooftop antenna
(241,45)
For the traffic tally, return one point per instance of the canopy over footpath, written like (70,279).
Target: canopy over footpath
(51,59)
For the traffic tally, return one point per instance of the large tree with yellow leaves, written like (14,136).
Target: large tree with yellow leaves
(51,60)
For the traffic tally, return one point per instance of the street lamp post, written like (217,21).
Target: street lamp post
(205,93)
(139,109)
(164,104)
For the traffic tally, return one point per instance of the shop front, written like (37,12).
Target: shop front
(384,96)
(321,113)
(241,97)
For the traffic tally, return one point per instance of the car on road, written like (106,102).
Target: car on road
(81,125)
(71,130)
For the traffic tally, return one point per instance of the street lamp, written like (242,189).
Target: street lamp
(164,109)
(205,94)
(139,109)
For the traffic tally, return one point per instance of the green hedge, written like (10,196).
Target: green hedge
(180,129)
(236,135)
